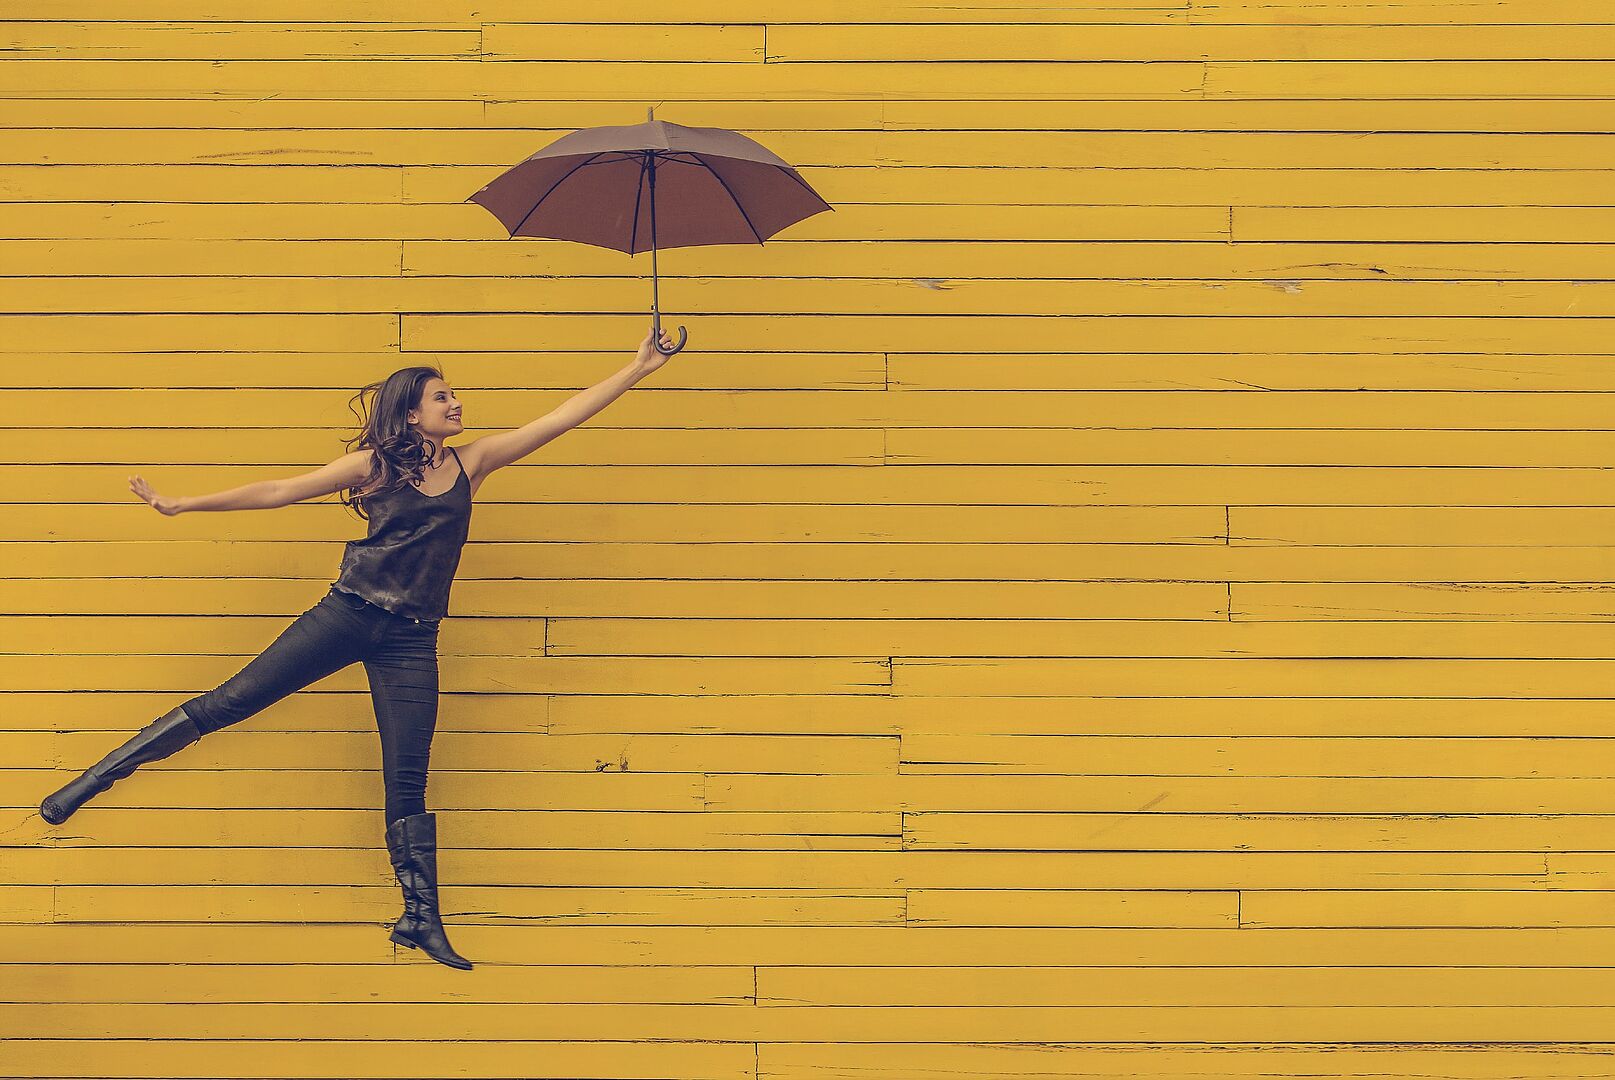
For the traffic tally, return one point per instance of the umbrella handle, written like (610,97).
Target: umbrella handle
(656,338)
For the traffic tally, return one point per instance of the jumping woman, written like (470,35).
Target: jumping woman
(391,592)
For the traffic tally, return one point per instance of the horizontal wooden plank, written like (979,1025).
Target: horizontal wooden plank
(339,788)
(1121,12)
(862,111)
(929,266)
(1311,907)
(240,40)
(649,598)
(756,446)
(832,43)
(609,1057)
(1212,371)
(463,905)
(827,1057)
(829,41)
(262,744)
(1277,224)
(1393,79)
(978,715)
(1515,449)
(1580,870)
(781,296)
(325,409)
(1101,485)
(839,753)
(615,715)
(1490,807)
(473,829)
(1524,373)
(453,80)
(446,333)
(1308,14)
(1362,756)
(500,148)
(940,638)
(358,1025)
(918,985)
(716,985)
(966,831)
(1434,525)
(226,258)
(817,946)
(939,80)
(1392,908)
(289,370)
(1589,601)
(455,221)
(1288,265)
(1367,677)
(829,599)
(917,557)
(265,868)
(1122,986)
(524,333)
(235,333)
(592,522)
(1069,1061)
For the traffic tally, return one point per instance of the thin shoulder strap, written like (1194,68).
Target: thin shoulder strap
(457,460)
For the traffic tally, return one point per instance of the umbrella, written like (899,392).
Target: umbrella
(600,186)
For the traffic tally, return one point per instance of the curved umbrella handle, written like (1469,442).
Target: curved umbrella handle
(656,340)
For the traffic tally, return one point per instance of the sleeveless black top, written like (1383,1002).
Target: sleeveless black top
(407,562)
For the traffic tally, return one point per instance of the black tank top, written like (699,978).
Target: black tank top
(406,564)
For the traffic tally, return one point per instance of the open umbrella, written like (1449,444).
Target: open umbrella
(602,186)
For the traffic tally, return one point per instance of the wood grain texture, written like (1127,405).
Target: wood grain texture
(1128,594)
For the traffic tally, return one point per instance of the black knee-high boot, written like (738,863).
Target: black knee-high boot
(412,843)
(164,736)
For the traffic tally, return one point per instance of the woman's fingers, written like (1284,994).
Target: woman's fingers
(664,342)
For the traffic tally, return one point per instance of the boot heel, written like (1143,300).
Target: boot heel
(402,940)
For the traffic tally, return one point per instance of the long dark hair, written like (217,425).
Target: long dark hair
(401,451)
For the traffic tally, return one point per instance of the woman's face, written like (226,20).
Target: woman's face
(438,413)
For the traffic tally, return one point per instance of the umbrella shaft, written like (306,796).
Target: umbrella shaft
(655,302)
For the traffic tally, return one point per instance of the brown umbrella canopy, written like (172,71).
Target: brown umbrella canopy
(595,186)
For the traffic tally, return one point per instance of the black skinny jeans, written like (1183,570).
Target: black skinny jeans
(400,658)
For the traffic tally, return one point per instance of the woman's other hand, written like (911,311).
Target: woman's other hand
(649,357)
(161,503)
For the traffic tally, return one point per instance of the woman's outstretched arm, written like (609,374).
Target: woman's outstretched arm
(500,449)
(345,471)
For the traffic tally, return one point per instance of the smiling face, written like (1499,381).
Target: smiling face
(437,415)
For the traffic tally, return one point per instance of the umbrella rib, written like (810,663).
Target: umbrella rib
(731,195)
(792,173)
(553,186)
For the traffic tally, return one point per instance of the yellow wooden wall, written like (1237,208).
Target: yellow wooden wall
(1126,594)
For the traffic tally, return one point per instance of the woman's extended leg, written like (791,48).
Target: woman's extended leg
(326,638)
(403,688)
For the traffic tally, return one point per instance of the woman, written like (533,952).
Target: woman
(383,610)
